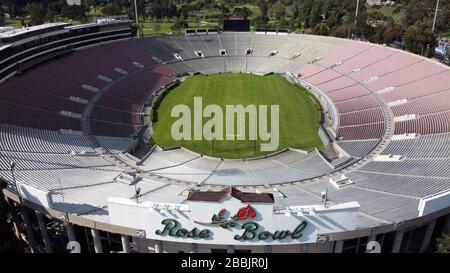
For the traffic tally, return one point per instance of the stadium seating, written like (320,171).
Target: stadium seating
(21,139)
(372,87)
(358,148)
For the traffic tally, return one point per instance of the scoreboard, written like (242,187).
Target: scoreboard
(240,25)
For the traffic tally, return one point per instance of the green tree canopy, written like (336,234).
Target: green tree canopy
(419,39)
(111,9)
(320,29)
(37,13)
(2,16)
(443,243)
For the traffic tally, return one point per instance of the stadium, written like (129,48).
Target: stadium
(85,155)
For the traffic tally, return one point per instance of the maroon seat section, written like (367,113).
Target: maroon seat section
(410,85)
(38,97)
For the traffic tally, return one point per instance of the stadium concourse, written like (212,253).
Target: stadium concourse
(75,123)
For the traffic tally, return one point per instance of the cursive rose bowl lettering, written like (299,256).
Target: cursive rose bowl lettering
(173,228)
(251,231)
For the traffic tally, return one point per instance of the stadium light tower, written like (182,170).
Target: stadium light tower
(137,18)
(357,10)
(435,15)
(137,190)
(350,31)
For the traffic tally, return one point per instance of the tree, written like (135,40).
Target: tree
(365,27)
(392,33)
(419,39)
(2,15)
(162,8)
(278,11)
(37,13)
(320,29)
(260,21)
(305,11)
(15,7)
(224,10)
(295,12)
(242,12)
(315,15)
(342,31)
(415,11)
(443,18)
(180,23)
(111,9)
(51,12)
(184,11)
(443,243)
(74,12)
(157,27)
(263,6)
(332,20)
(91,3)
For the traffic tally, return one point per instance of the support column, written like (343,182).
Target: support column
(427,237)
(230,249)
(97,241)
(137,244)
(108,238)
(338,246)
(29,229)
(194,248)
(141,245)
(86,236)
(372,237)
(158,247)
(44,233)
(397,241)
(15,218)
(70,232)
(125,244)
(447,223)
(15,226)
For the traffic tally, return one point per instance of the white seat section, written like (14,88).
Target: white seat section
(114,144)
(14,138)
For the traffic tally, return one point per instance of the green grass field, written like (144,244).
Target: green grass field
(300,113)
(166,27)
(389,12)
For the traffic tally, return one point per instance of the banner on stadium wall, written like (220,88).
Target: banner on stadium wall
(231,222)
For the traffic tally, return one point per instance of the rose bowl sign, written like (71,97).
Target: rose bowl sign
(250,230)
(231,222)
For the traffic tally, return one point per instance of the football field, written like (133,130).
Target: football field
(299,113)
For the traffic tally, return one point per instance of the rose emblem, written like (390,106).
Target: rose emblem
(246,213)
(219,219)
(222,212)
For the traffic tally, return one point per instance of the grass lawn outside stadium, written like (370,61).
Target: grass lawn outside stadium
(299,113)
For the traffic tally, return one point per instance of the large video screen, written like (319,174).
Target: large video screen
(236,25)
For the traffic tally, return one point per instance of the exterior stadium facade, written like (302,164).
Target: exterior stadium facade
(75,167)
